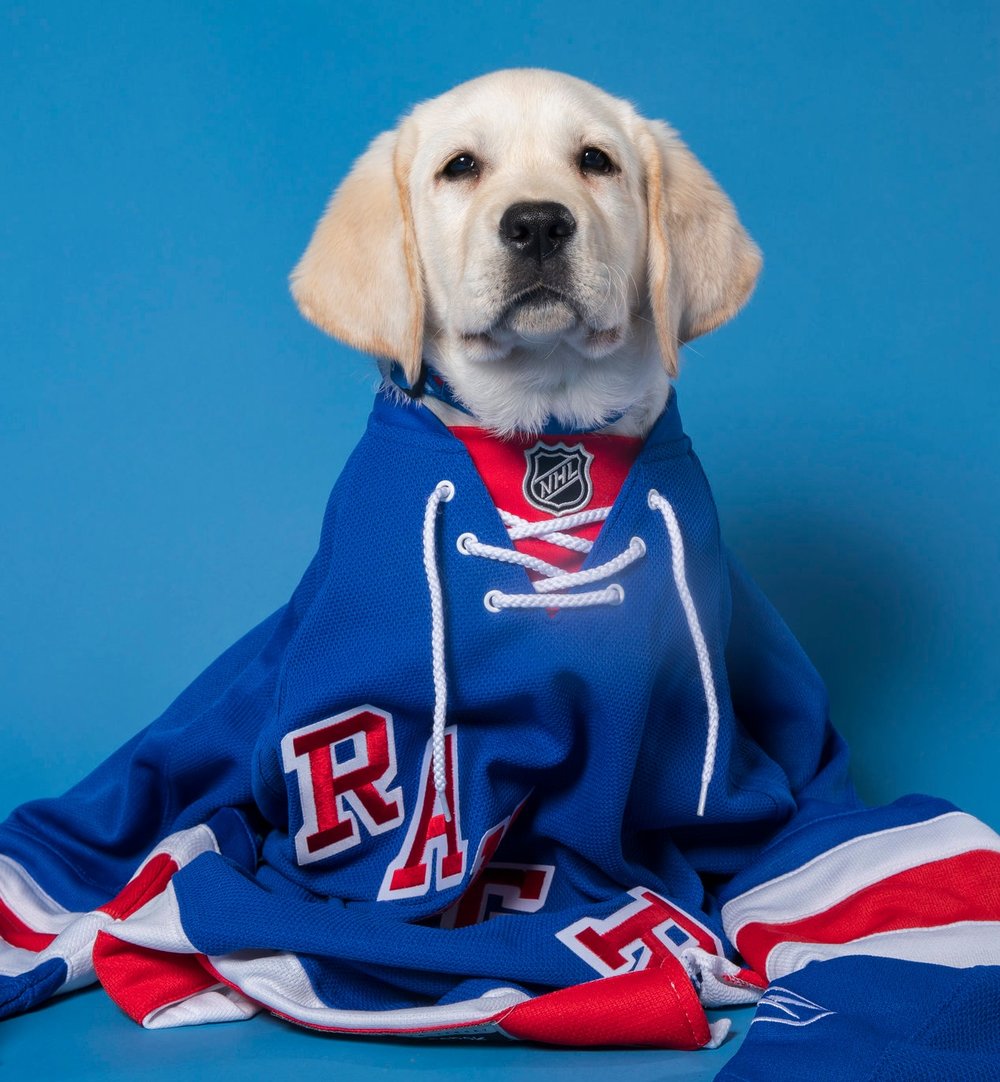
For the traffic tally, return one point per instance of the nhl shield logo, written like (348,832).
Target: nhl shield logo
(557,479)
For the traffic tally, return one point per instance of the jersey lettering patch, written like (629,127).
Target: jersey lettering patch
(499,889)
(557,478)
(637,936)
(434,846)
(344,766)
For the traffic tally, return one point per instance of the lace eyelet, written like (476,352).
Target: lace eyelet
(619,593)
(445,490)
(463,541)
(638,545)
(490,603)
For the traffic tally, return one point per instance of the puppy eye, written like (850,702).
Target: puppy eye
(461,165)
(593,160)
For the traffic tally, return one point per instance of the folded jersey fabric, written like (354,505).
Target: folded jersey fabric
(872,1019)
(449,790)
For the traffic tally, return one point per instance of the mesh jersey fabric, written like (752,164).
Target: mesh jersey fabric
(275,838)
(875,1020)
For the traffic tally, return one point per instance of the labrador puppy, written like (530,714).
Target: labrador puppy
(536,242)
(521,679)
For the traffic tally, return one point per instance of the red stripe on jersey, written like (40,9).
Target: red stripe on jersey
(141,980)
(14,931)
(652,1008)
(138,979)
(941,892)
(144,885)
(502,466)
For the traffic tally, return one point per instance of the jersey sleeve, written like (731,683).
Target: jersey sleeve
(183,785)
(840,879)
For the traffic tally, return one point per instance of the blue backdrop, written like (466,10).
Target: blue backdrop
(171,427)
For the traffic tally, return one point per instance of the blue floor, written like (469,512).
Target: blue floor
(85,1036)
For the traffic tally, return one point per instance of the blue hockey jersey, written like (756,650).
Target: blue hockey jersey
(445,790)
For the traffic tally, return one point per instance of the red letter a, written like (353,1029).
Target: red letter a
(430,835)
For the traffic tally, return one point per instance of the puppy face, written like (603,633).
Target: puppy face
(539,243)
(530,220)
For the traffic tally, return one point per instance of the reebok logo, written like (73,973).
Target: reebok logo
(787,1008)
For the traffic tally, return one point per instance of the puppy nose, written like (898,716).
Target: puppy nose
(536,230)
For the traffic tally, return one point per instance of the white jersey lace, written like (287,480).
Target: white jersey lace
(545,596)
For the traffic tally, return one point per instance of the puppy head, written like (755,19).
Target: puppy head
(529,216)
(520,223)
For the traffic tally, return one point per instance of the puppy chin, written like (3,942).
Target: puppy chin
(541,331)
(581,379)
(542,322)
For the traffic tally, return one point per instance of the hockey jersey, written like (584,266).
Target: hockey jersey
(453,788)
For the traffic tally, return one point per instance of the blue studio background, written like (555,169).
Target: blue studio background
(171,427)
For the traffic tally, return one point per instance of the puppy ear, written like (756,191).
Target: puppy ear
(359,279)
(701,263)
